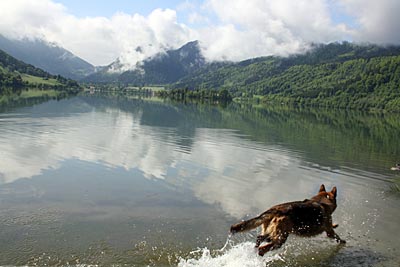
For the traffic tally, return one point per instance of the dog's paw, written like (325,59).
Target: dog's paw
(261,253)
(341,241)
(335,225)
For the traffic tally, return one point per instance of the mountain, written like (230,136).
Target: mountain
(49,57)
(16,75)
(341,75)
(163,68)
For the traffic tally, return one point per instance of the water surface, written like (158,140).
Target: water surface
(111,181)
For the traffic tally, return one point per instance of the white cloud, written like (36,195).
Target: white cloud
(99,40)
(22,18)
(196,18)
(230,30)
(259,27)
(137,37)
(378,21)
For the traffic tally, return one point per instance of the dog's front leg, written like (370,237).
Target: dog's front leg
(331,234)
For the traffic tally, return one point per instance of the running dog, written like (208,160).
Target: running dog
(306,218)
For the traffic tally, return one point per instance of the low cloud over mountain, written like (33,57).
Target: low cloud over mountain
(227,30)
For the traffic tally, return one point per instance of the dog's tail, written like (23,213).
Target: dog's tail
(264,218)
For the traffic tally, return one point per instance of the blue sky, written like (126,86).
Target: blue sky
(96,8)
(91,8)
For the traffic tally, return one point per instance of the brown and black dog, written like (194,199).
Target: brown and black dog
(307,218)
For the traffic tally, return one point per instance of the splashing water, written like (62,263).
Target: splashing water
(298,251)
(240,255)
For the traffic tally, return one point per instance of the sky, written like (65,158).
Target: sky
(102,31)
(92,8)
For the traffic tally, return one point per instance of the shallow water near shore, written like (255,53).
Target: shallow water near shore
(111,181)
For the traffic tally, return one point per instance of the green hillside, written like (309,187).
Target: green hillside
(335,75)
(16,76)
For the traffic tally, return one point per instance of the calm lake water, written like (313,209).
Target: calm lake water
(108,181)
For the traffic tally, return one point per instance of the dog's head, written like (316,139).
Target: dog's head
(326,198)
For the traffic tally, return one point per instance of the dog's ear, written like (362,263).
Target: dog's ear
(334,191)
(322,188)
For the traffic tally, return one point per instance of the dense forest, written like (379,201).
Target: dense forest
(16,76)
(340,75)
(197,95)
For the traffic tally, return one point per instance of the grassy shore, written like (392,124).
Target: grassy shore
(39,80)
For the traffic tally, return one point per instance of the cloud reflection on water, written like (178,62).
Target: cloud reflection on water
(218,165)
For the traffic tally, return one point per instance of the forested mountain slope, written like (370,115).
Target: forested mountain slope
(338,74)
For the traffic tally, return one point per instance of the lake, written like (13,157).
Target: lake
(100,180)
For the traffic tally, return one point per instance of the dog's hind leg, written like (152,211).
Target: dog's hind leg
(264,235)
(262,238)
(264,249)
(276,243)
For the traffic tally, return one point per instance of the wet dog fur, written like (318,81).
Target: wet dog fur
(306,218)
